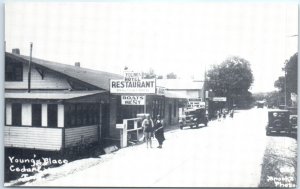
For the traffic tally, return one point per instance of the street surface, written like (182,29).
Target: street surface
(227,153)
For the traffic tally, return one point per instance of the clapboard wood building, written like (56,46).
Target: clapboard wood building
(66,106)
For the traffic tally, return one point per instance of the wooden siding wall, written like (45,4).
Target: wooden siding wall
(81,135)
(33,138)
(50,81)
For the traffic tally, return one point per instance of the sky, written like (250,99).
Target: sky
(184,38)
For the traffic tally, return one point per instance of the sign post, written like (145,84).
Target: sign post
(145,105)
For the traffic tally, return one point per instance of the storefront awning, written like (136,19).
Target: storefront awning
(63,95)
(179,94)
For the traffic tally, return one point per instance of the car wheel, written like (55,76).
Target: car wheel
(191,126)
(181,127)
(268,133)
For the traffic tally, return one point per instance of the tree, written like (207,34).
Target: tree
(232,79)
(280,83)
(288,84)
(171,76)
(151,75)
(291,69)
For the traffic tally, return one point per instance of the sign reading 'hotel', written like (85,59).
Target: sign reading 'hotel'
(133,83)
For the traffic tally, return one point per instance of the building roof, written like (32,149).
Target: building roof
(179,84)
(63,95)
(100,79)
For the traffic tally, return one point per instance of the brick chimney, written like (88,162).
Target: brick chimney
(16,51)
(77,64)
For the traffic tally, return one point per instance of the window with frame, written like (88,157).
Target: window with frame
(13,71)
(82,114)
(52,115)
(36,115)
(16,109)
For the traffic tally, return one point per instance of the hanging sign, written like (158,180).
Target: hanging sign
(160,91)
(133,100)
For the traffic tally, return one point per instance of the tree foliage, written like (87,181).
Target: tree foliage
(280,83)
(232,79)
(291,72)
(171,76)
(151,75)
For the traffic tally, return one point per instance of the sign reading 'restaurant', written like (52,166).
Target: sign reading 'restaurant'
(133,100)
(133,85)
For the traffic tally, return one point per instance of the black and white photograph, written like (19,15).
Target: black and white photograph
(150,94)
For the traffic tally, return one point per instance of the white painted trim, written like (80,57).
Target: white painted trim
(60,115)
(44,115)
(26,114)
(8,109)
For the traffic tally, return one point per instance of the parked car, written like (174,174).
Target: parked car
(260,104)
(193,117)
(278,122)
(294,124)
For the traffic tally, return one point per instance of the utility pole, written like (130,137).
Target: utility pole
(29,71)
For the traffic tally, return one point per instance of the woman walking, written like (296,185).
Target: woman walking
(159,131)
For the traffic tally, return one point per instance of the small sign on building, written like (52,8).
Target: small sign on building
(133,100)
(219,99)
(160,90)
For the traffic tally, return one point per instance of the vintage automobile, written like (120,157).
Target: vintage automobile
(260,104)
(293,124)
(279,122)
(193,117)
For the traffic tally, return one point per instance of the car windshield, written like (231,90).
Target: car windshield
(190,113)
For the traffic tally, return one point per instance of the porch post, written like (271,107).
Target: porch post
(60,115)
(8,112)
(26,115)
(44,115)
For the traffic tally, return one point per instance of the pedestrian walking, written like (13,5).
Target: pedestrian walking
(159,131)
(219,114)
(231,113)
(148,130)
